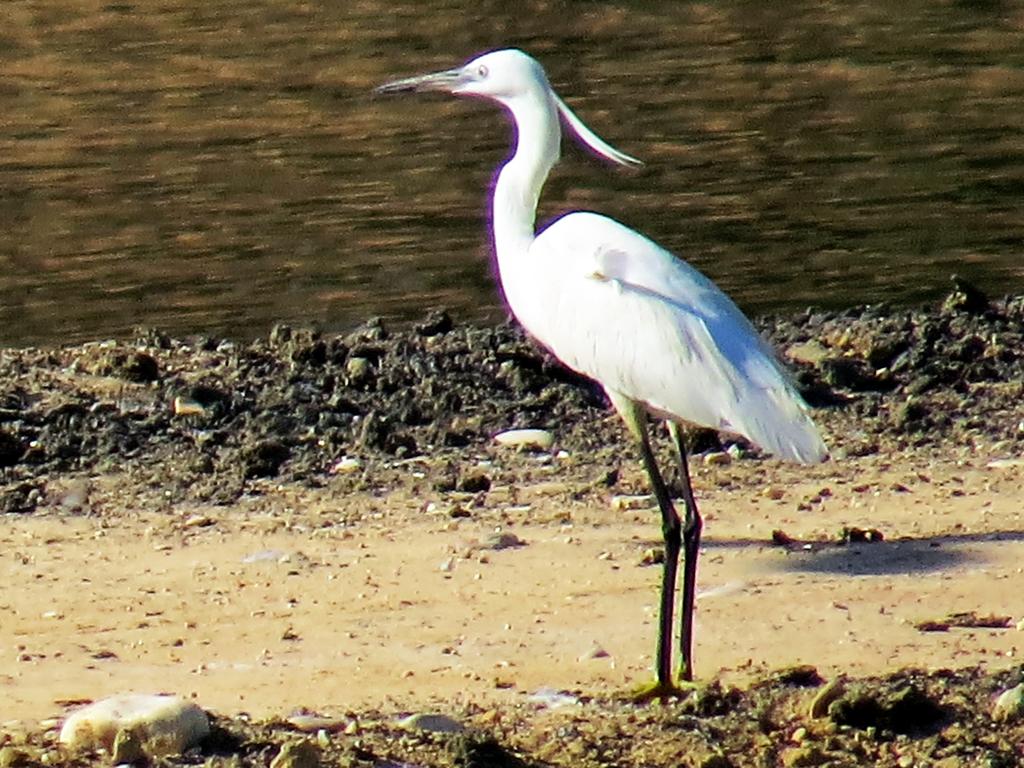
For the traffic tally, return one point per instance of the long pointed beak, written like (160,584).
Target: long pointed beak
(438,81)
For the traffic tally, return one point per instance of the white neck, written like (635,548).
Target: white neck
(519,183)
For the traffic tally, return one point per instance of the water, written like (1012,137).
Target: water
(211,167)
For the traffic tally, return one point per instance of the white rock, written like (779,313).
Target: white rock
(526,438)
(1010,705)
(165,725)
(346,465)
(633,502)
(431,722)
(315,723)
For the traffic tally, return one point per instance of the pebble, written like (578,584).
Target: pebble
(314,723)
(503,540)
(358,370)
(164,725)
(811,352)
(297,754)
(346,465)
(717,459)
(184,406)
(539,439)
(625,503)
(653,556)
(594,652)
(434,723)
(1010,705)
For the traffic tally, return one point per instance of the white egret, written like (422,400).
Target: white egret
(658,335)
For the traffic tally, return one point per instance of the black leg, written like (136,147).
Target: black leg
(670,528)
(692,526)
(672,531)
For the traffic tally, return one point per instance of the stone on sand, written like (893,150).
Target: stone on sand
(539,439)
(1009,705)
(164,725)
(435,723)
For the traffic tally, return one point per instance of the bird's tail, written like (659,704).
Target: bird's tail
(784,428)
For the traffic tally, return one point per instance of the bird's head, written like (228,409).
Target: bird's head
(515,80)
(499,75)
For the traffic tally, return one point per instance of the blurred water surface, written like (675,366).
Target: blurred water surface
(211,166)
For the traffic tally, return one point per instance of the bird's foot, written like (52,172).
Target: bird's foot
(661,690)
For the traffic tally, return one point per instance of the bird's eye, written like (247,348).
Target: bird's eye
(482,70)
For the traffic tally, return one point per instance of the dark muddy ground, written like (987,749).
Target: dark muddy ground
(211,420)
(201,419)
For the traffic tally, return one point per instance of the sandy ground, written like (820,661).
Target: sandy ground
(334,600)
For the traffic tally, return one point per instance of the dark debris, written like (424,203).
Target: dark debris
(213,416)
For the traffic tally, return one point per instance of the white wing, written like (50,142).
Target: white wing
(615,306)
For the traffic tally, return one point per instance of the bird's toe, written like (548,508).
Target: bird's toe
(660,691)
